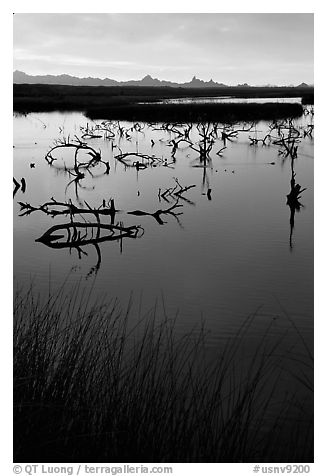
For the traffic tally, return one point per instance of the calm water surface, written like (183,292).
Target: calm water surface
(221,258)
(228,99)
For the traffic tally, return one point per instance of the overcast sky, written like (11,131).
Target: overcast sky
(230,48)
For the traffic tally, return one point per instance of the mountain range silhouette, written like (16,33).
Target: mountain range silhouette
(19,77)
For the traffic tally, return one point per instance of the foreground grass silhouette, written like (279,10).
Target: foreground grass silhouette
(96,384)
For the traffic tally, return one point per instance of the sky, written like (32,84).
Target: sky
(253,48)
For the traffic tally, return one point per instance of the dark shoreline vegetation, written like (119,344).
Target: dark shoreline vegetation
(99,384)
(229,113)
(122,103)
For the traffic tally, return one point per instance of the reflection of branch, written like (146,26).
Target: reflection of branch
(293,201)
(137,164)
(174,144)
(77,235)
(220,151)
(91,133)
(54,208)
(78,145)
(78,172)
(287,142)
(76,182)
(172,128)
(207,133)
(204,148)
(179,193)
(295,194)
(17,186)
(157,215)
(176,191)
(94,270)
(75,239)
(255,140)
(21,185)
(227,135)
(308,131)
(79,168)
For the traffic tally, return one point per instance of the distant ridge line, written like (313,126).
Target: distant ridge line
(19,77)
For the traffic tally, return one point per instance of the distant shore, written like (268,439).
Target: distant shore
(123,103)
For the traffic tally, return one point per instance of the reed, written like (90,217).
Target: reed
(96,383)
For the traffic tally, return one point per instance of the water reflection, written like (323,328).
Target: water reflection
(218,255)
(54,208)
(19,186)
(76,235)
(174,194)
(200,138)
(157,214)
(227,99)
(77,167)
(223,168)
(293,199)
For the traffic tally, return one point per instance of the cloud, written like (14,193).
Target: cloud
(227,47)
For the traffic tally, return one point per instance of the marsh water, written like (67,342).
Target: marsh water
(225,250)
(229,100)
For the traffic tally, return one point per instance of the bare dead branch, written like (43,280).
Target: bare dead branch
(157,214)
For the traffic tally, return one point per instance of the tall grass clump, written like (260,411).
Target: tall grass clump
(99,384)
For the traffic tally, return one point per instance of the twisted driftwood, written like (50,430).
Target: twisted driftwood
(54,208)
(175,192)
(76,235)
(78,145)
(151,159)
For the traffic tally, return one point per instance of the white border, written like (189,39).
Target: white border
(168,6)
